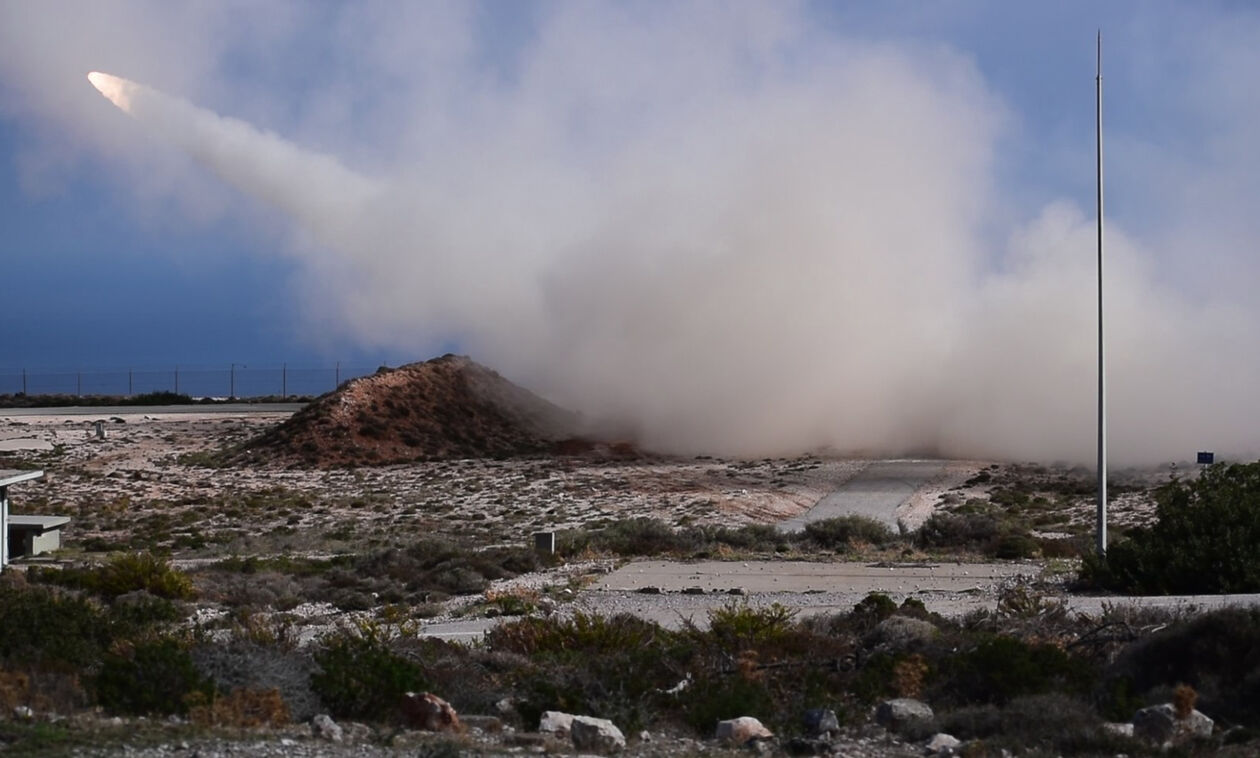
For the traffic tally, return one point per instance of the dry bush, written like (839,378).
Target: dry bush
(242,708)
(1184,697)
(252,665)
(909,675)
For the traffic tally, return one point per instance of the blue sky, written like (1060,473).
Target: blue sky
(577,192)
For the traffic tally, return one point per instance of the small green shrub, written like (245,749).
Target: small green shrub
(360,676)
(842,532)
(1000,668)
(124,573)
(973,531)
(581,634)
(46,628)
(738,626)
(150,677)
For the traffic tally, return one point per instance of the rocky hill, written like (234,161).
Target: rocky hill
(448,407)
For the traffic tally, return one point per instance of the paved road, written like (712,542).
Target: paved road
(875,492)
(105,411)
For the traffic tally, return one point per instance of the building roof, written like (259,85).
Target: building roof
(41,523)
(13,476)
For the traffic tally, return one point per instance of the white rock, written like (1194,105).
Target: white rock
(943,744)
(1121,728)
(898,713)
(741,730)
(1159,724)
(600,735)
(323,727)
(556,722)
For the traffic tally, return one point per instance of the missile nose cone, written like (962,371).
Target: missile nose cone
(117,90)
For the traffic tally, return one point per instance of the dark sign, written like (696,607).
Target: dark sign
(1206,459)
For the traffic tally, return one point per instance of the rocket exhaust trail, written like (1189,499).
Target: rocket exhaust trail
(256,162)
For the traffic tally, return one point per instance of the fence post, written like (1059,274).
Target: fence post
(337,382)
(284,380)
(78,384)
(129,386)
(23,381)
(177,380)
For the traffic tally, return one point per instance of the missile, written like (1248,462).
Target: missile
(312,187)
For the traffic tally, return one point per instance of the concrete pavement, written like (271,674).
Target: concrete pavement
(875,493)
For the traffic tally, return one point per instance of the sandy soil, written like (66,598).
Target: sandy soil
(142,486)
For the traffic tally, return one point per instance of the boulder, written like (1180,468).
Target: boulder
(902,713)
(1159,725)
(556,722)
(323,727)
(901,633)
(742,730)
(819,722)
(943,745)
(427,711)
(599,735)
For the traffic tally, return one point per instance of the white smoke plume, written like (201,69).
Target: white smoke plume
(750,241)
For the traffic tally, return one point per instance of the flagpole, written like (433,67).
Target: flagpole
(1102,380)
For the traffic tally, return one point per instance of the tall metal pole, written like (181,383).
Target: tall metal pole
(1102,376)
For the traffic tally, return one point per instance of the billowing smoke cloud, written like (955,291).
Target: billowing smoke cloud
(754,240)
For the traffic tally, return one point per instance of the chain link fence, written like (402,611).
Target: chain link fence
(238,380)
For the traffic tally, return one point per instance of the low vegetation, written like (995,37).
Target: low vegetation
(1204,539)
(1026,676)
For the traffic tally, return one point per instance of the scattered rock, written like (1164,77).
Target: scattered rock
(943,745)
(1159,725)
(902,713)
(693,591)
(1123,729)
(741,730)
(23,713)
(323,727)
(819,722)
(429,712)
(649,590)
(556,722)
(600,735)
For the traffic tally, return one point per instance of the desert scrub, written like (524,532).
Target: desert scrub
(50,629)
(1216,653)
(614,666)
(1204,539)
(152,676)
(121,574)
(844,533)
(977,527)
(360,675)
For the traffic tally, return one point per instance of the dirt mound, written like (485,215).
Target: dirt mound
(449,407)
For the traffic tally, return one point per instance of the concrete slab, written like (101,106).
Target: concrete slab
(805,576)
(875,493)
